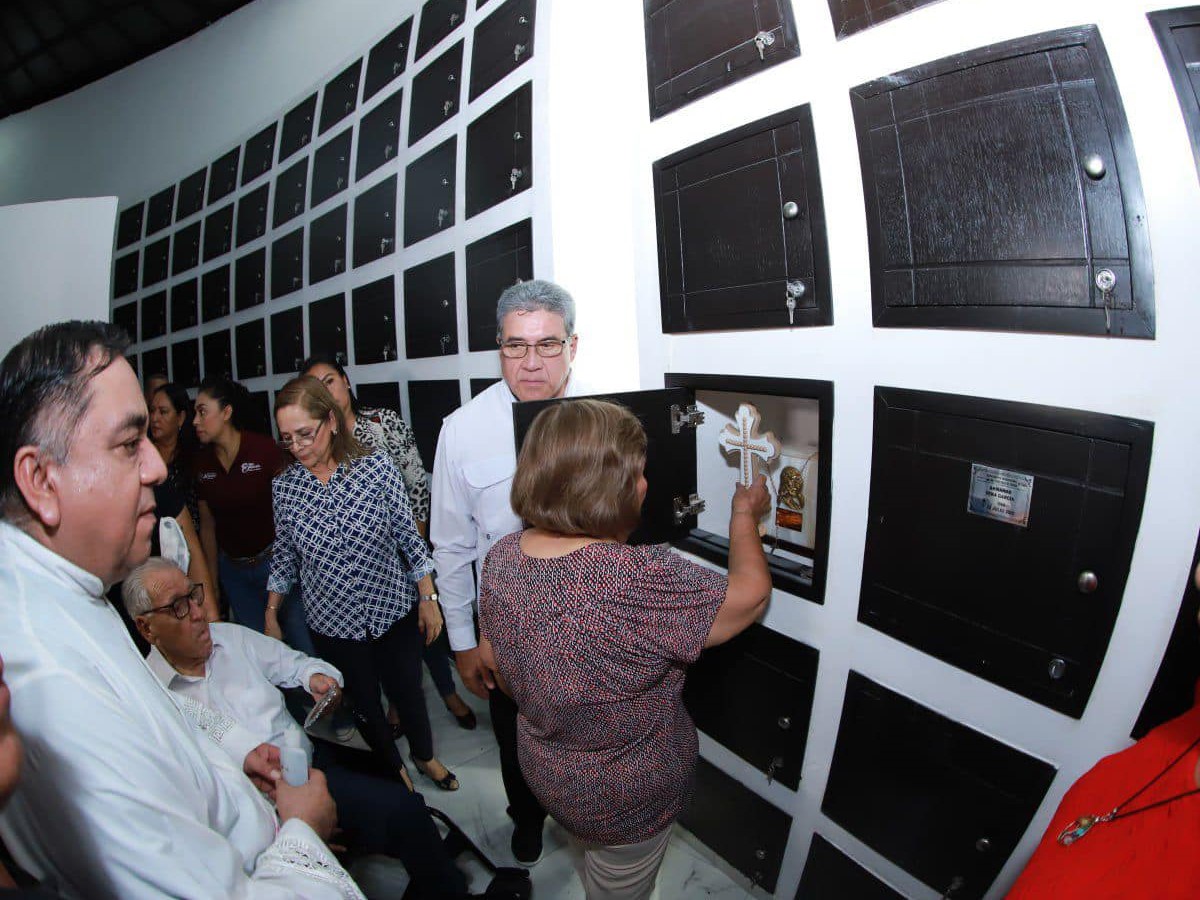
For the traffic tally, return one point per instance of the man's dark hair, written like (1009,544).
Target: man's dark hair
(44,393)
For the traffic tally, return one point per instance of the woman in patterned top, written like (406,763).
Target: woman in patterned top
(343,529)
(174,436)
(383,429)
(592,638)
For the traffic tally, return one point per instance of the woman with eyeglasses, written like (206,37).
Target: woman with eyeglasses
(345,534)
(233,472)
(383,429)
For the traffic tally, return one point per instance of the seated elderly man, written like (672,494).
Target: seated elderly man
(236,672)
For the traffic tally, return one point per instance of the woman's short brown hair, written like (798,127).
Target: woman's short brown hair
(314,398)
(579,468)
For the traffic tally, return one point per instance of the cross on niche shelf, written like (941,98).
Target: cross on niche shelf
(741,436)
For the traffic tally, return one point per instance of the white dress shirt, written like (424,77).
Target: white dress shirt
(471,507)
(241,679)
(119,796)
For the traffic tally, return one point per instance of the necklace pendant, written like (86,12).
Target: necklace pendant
(1076,830)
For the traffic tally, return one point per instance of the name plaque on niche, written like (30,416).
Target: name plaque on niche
(1001,495)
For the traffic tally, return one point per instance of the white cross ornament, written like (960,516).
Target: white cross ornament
(741,436)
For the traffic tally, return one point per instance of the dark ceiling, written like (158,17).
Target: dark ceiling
(51,47)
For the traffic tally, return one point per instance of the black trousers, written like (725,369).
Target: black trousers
(523,806)
(392,660)
(381,815)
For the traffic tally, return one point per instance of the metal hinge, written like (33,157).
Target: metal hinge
(692,505)
(685,417)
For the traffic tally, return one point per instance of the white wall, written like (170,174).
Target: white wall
(55,264)
(150,125)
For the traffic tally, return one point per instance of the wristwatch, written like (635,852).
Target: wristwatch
(433,596)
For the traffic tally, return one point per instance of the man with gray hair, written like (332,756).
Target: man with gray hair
(122,797)
(472,478)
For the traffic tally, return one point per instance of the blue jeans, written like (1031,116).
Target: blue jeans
(437,661)
(245,587)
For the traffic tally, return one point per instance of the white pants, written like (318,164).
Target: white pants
(625,871)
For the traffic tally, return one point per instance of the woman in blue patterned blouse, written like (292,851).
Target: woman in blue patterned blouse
(344,529)
(379,428)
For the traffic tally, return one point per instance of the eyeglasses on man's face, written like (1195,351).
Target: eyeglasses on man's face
(182,605)
(301,438)
(545,349)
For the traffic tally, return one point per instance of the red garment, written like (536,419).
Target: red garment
(594,646)
(240,499)
(1152,854)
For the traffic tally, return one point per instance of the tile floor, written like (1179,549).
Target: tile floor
(689,870)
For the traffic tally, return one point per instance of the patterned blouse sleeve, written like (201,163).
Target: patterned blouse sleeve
(674,602)
(401,446)
(404,530)
(285,562)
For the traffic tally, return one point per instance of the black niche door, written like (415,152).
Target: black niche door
(1178,34)
(695,47)
(327,245)
(435,93)
(154,362)
(438,19)
(1000,534)
(340,96)
(223,175)
(252,215)
(499,152)
(129,225)
(479,385)
(741,230)
(852,16)
(738,825)
(154,315)
(250,279)
(429,402)
(378,395)
(214,293)
(287,264)
(160,210)
(259,417)
(125,274)
(218,232)
(373,306)
(375,222)
(251,341)
(155,260)
(297,127)
(828,872)
(503,41)
(429,193)
(218,355)
(379,135)
(430,309)
(387,60)
(495,263)
(331,167)
(126,318)
(670,457)
(1002,192)
(185,298)
(951,803)
(259,154)
(327,327)
(287,341)
(191,195)
(185,363)
(754,695)
(291,191)
(185,248)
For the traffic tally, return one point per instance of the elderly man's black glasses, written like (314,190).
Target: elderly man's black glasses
(545,349)
(181,606)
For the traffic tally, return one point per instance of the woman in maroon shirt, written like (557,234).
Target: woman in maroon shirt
(592,637)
